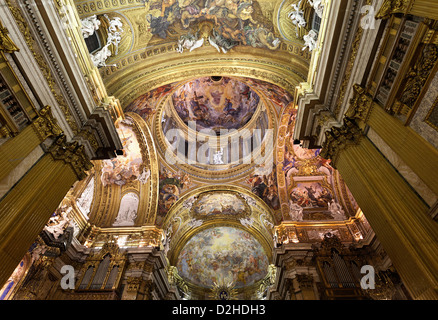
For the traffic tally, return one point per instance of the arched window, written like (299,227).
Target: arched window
(316,22)
(93,43)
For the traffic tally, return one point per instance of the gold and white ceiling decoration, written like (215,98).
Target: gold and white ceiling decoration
(147,197)
(154,32)
(220,234)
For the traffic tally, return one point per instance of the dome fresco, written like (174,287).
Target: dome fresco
(222,254)
(216,103)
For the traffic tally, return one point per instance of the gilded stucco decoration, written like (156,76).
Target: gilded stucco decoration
(6,44)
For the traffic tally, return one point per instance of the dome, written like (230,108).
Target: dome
(215,103)
(222,254)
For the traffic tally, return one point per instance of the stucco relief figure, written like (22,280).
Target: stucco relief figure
(89,26)
(336,210)
(297,16)
(218,157)
(114,37)
(58,222)
(144,176)
(84,202)
(128,211)
(310,40)
(317,6)
(99,59)
(295,211)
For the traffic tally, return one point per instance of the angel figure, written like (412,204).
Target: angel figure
(295,211)
(297,16)
(89,26)
(189,42)
(317,6)
(310,40)
(336,210)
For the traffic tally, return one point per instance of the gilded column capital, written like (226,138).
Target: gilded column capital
(390,7)
(46,125)
(361,104)
(338,139)
(305,280)
(133,284)
(6,44)
(71,153)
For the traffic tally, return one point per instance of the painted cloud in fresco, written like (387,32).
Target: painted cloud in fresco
(146,105)
(311,195)
(223,104)
(125,168)
(219,203)
(234,21)
(222,253)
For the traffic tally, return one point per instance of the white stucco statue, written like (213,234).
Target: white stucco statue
(86,199)
(89,26)
(128,210)
(295,211)
(317,6)
(116,25)
(144,176)
(336,210)
(99,58)
(310,40)
(297,16)
(114,38)
(218,157)
(57,224)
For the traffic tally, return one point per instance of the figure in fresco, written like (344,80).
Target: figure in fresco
(311,195)
(170,188)
(146,105)
(212,255)
(126,167)
(214,105)
(235,21)
(265,187)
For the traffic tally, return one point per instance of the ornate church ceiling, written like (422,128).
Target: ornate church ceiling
(220,74)
(170,41)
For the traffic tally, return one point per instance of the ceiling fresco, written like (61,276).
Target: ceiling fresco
(145,105)
(219,203)
(126,167)
(314,189)
(171,187)
(220,103)
(234,21)
(222,254)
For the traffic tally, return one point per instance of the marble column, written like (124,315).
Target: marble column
(395,212)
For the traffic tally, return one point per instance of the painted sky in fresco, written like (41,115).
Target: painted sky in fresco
(223,253)
(126,167)
(215,105)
